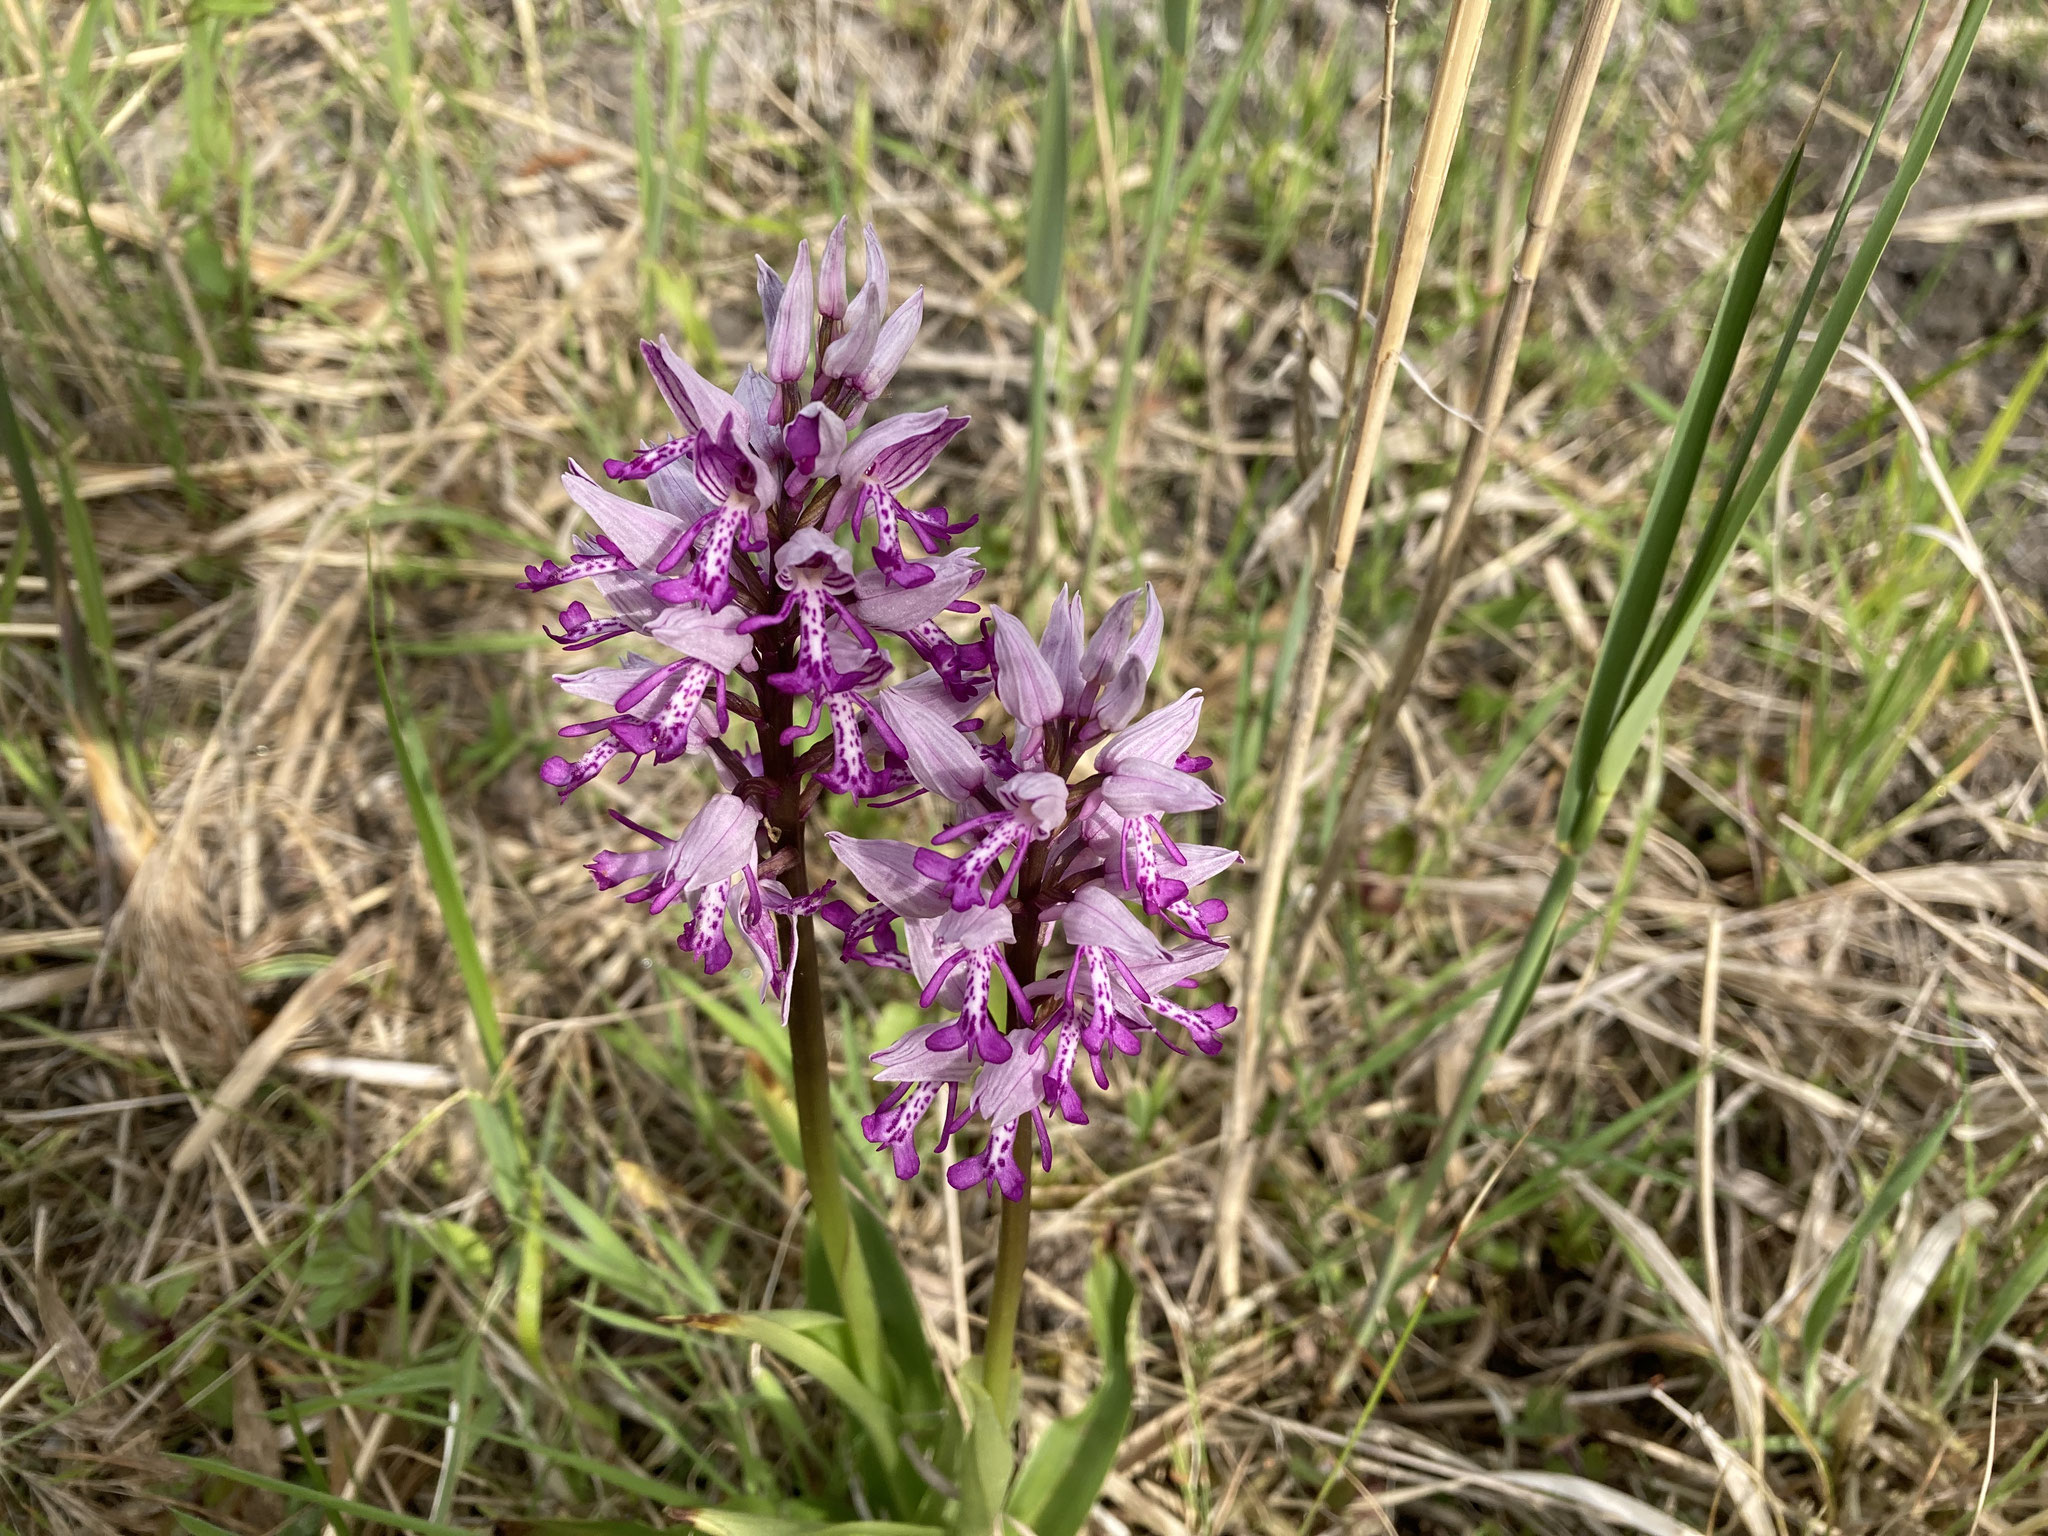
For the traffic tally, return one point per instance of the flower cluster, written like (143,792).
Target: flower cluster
(780,657)
(1061,837)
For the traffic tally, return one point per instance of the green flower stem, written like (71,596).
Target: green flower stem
(1013,1228)
(809,1056)
(1013,1240)
(810,1067)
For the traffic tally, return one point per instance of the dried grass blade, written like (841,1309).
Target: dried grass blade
(1745,1484)
(1904,1289)
(1610,1506)
(1440,130)
(437,848)
(269,1048)
(1545,198)
(1746,1385)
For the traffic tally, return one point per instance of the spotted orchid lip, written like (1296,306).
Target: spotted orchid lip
(782,544)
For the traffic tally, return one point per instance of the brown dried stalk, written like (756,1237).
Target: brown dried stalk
(1411,252)
(1559,145)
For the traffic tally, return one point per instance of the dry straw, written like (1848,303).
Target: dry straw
(1411,253)
(1553,172)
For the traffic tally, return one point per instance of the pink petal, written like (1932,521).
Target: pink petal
(886,871)
(1025,682)
(1160,737)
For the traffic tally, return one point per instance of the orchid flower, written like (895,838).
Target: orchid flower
(763,601)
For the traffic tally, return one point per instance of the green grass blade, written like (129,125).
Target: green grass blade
(1643,582)
(1834,1284)
(908,1352)
(1173,77)
(85,649)
(1971,481)
(98,619)
(1058,1484)
(732,1522)
(1045,247)
(2019,1287)
(437,848)
(1517,992)
(1045,237)
(1689,608)
(605,1255)
(982,1470)
(319,1498)
(882,1424)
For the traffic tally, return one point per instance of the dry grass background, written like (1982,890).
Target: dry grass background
(364,275)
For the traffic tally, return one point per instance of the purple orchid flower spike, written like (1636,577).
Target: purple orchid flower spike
(816,573)
(958,957)
(1056,916)
(1142,782)
(715,854)
(715,862)
(1031,806)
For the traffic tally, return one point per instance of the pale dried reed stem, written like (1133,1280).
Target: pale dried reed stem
(1545,195)
(1411,252)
